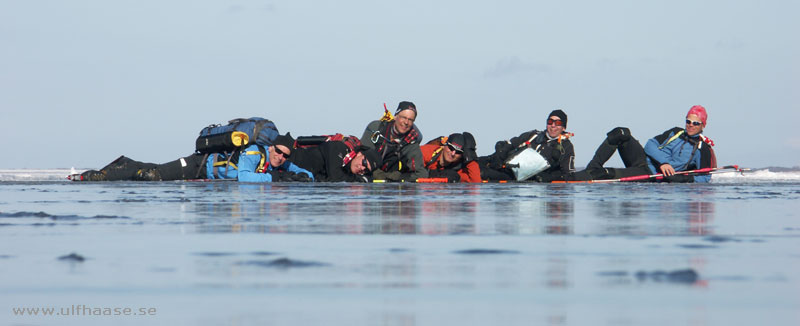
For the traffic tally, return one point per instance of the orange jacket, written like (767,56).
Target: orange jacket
(469,173)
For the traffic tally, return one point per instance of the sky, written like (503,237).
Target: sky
(84,81)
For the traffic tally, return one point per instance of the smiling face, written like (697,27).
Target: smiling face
(404,120)
(554,126)
(450,155)
(691,128)
(278,155)
(359,165)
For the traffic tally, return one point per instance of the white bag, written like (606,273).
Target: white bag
(527,163)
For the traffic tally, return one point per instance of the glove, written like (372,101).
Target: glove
(390,176)
(281,176)
(679,178)
(451,175)
(301,177)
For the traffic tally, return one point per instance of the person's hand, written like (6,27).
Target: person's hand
(301,177)
(667,169)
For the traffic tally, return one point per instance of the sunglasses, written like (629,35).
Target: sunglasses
(693,123)
(454,149)
(280,152)
(365,163)
(555,122)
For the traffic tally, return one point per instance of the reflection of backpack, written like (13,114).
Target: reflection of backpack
(238,133)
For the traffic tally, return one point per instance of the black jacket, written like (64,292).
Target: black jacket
(325,162)
(560,155)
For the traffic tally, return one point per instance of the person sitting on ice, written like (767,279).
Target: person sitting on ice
(452,157)
(552,144)
(397,139)
(335,161)
(677,149)
(253,164)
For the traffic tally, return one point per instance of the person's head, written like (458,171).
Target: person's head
(280,150)
(453,150)
(696,120)
(556,123)
(366,161)
(404,117)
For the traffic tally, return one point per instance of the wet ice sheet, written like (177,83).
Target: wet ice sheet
(232,254)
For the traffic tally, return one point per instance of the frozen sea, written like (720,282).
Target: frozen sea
(227,253)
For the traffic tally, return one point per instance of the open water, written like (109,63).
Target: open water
(227,253)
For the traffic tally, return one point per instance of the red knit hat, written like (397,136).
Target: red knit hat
(700,112)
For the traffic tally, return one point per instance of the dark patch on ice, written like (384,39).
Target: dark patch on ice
(613,273)
(399,250)
(263,253)
(6,256)
(126,200)
(485,252)
(757,240)
(282,263)
(718,239)
(684,276)
(697,246)
(58,217)
(214,254)
(73,257)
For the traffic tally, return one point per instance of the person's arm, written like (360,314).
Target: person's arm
(366,138)
(411,155)
(248,163)
(660,155)
(291,167)
(470,173)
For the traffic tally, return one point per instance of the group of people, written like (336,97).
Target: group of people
(391,149)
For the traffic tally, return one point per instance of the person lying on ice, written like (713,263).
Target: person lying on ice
(677,149)
(335,161)
(452,157)
(397,139)
(553,144)
(253,164)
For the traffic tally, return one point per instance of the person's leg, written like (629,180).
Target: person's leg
(184,168)
(122,168)
(632,153)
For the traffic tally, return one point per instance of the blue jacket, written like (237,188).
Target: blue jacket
(683,153)
(245,169)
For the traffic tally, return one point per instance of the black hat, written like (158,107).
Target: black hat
(559,114)
(406,105)
(457,140)
(285,140)
(469,147)
(372,156)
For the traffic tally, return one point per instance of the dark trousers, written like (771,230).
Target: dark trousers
(630,151)
(124,168)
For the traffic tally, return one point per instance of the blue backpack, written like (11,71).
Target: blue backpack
(237,134)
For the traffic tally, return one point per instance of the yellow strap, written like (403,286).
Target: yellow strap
(678,134)
(261,163)
(222,163)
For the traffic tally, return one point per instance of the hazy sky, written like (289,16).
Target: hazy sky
(82,82)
